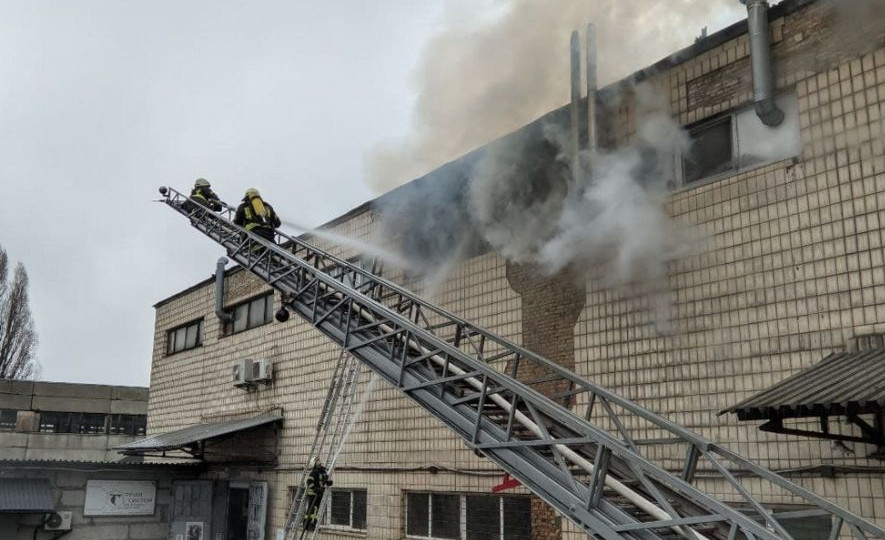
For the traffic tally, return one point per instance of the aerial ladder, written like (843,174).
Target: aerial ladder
(576,449)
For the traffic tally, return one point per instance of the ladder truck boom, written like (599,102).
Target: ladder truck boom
(574,448)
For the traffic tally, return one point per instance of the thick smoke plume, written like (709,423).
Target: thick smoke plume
(534,208)
(499,64)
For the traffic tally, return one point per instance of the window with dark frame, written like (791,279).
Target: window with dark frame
(249,314)
(8,419)
(348,509)
(468,517)
(185,337)
(740,141)
(127,424)
(72,422)
(711,151)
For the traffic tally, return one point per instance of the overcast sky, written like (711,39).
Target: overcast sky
(101,102)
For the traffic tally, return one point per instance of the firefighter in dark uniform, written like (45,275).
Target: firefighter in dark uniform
(203,194)
(317,482)
(257,216)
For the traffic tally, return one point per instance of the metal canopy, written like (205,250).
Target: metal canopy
(579,450)
(192,439)
(842,384)
(25,496)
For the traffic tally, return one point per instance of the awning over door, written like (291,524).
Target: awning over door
(195,440)
(25,496)
(842,384)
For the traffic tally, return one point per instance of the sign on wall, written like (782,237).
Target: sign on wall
(120,498)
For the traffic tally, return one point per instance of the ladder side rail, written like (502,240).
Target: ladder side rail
(225,237)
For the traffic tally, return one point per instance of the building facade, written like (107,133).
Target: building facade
(791,271)
(58,458)
(63,421)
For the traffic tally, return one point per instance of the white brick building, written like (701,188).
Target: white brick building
(793,272)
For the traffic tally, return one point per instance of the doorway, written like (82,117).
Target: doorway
(238,513)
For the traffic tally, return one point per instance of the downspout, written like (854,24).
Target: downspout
(224,316)
(760,53)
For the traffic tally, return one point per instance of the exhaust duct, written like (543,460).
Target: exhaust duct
(224,316)
(760,53)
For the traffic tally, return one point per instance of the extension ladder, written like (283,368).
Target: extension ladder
(334,422)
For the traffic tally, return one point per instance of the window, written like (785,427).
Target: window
(71,422)
(468,517)
(741,141)
(188,336)
(347,509)
(8,419)
(127,424)
(711,151)
(250,314)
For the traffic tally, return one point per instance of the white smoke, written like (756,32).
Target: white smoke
(615,218)
(500,64)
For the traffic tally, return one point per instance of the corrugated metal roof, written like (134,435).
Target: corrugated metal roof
(25,496)
(842,383)
(83,464)
(174,440)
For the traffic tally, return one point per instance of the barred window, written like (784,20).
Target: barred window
(468,517)
(185,337)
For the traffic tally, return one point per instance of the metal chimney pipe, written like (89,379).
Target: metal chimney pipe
(575,106)
(591,88)
(760,52)
(224,316)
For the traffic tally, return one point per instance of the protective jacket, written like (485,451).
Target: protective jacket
(257,216)
(317,481)
(206,197)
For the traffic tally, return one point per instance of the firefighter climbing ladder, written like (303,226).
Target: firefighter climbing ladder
(576,445)
(335,420)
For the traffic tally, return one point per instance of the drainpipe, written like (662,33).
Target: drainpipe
(224,316)
(760,52)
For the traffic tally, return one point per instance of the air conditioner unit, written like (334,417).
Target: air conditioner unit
(262,370)
(58,521)
(242,373)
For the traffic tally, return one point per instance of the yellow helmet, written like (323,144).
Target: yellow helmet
(201,182)
(252,193)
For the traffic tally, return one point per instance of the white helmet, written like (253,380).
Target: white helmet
(201,182)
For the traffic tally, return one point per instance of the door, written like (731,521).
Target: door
(191,511)
(257,510)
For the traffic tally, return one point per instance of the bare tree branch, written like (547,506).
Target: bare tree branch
(18,338)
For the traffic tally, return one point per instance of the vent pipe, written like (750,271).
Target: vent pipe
(760,52)
(224,316)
